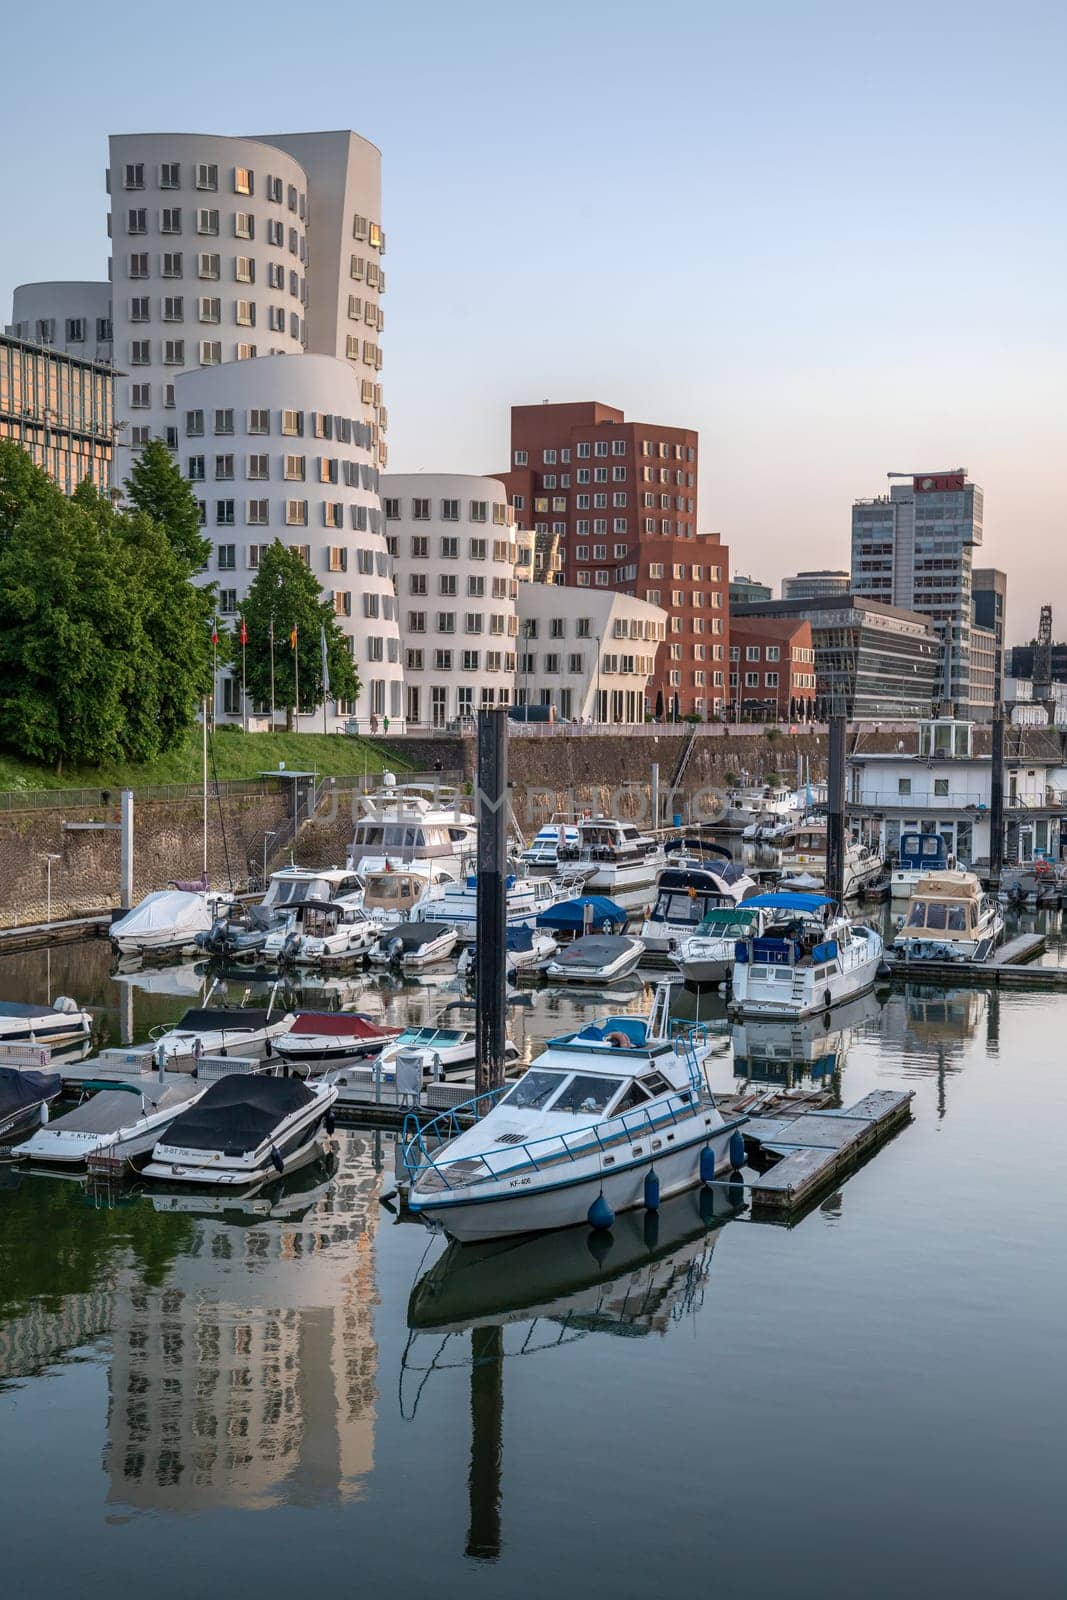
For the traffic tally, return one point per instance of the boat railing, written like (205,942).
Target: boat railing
(550,1148)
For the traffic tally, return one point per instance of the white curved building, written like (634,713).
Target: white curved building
(216,259)
(72,317)
(278,448)
(454,543)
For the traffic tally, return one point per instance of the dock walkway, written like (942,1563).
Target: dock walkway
(1013,963)
(815,1148)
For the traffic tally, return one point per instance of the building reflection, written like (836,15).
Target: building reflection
(247,1377)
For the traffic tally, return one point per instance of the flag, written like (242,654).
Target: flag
(292,638)
(325,664)
(214,630)
(244,633)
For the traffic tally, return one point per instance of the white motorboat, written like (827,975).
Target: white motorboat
(623,859)
(526,950)
(542,854)
(707,956)
(615,1116)
(413,946)
(60,1023)
(803,852)
(595,958)
(917,854)
(220,1030)
(319,1038)
(391,893)
(525,899)
(294,891)
(167,922)
(426,826)
(244,1128)
(811,958)
(441,1051)
(950,918)
(119,1120)
(24,1100)
(324,933)
(685,896)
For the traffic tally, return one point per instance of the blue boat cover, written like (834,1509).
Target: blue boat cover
(18,1089)
(569,915)
(789,902)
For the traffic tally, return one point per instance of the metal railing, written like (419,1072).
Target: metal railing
(956,800)
(71,799)
(658,730)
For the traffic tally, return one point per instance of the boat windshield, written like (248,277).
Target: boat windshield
(588,1094)
(943,918)
(723,924)
(534,1091)
(681,906)
(291,891)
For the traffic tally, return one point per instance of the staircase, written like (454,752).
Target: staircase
(682,764)
(273,842)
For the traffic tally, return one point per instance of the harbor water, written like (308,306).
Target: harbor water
(304,1391)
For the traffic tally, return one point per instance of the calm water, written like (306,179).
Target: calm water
(307,1392)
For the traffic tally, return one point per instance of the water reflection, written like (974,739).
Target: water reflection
(812,1048)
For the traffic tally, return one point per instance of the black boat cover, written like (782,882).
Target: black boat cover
(238,1113)
(19,1008)
(19,1089)
(413,935)
(213,1021)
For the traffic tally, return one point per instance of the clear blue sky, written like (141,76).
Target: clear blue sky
(829,236)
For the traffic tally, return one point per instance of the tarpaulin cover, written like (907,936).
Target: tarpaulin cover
(238,1113)
(163,911)
(19,1089)
(339,1024)
(240,1018)
(569,915)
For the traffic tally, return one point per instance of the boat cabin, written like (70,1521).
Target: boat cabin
(944,905)
(922,852)
(605,839)
(796,934)
(685,896)
(397,889)
(292,886)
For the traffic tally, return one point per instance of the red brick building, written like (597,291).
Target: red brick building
(772,668)
(613,505)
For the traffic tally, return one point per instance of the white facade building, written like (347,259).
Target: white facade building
(72,317)
(214,261)
(277,448)
(455,548)
(589,655)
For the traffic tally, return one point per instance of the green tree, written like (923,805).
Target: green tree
(286,592)
(156,487)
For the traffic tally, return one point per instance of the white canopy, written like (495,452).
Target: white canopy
(164,910)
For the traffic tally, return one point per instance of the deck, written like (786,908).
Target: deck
(1012,964)
(814,1149)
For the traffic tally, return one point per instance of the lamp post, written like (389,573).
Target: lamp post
(48,889)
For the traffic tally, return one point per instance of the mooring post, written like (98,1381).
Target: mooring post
(492,924)
(835,812)
(126,851)
(487,1446)
(996,802)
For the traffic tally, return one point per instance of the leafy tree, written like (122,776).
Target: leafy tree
(285,590)
(156,487)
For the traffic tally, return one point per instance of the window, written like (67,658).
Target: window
(140,396)
(194,424)
(207,221)
(904,786)
(223,467)
(173,308)
(521,458)
(773,652)
(228,603)
(207,175)
(75,330)
(171,264)
(140,352)
(244,270)
(257,515)
(195,471)
(174,352)
(449,510)
(133,175)
(170,219)
(170,175)
(292,423)
(420,547)
(224,513)
(137,266)
(446,585)
(941,787)
(446,622)
(210,352)
(244,226)
(246,314)
(258,467)
(227,557)
(296,513)
(242,181)
(208,265)
(137,220)
(294,468)
(450,548)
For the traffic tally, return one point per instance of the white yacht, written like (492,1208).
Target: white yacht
(244,1128)
(811,958)
(625,861)
(324,933)
(413,946)
(803,853)
(525,899)
(706,956)
(950,918)
(167,922)
(684,896)
(414,825)
(542,855)
(119,1120)
(615,1116)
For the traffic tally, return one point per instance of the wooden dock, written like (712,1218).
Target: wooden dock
(813,1150)
(41,935)
(1013,964)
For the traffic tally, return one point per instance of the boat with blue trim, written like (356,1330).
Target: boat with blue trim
(810,959)
(615,1116)
(917,854)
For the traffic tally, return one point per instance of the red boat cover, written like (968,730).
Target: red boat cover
(340,1024)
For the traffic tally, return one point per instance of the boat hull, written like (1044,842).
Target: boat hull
(300,1144)
(823,996)
(527,1208)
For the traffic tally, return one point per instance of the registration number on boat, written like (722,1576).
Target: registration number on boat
(519,1183)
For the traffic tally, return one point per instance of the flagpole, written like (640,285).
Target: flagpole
(296,675)
(244,691)
(272,672)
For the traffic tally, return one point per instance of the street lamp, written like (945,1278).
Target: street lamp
(48,859)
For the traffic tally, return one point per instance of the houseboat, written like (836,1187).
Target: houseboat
(950,918)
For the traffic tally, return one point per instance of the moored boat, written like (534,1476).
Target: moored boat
(811,958)
(413,946)
(244,1128)
(525,950)
(24,1100)
(595,958)
(624,860)
(167,922)
(917,854)
(685,895)
(114,1119)
(319,1038)
(707,955)
(950,918)
(62,1022)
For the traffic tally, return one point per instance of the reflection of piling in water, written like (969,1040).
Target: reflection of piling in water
(835,812)
(487,1418)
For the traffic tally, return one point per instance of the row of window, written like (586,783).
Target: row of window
(448,548)
(208,223)
(552,664)
(602,447)
(448,586)
(205,177)
(368,563)
(469,661)
(473,622)
(771,652)
(356,474)
(289,423)
(800,680)
(76,330)
(209,269)
(421,510)
(295,514)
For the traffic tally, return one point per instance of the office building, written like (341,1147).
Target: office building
(989,599)
(588,654)
(74,318)
(58,407)
(613,506)
(772,668)
(872,661)
(278,448)
(814,585)
(743,591)
(453,543)
(912,549)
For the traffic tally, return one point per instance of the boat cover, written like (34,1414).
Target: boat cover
(413,935)
(19,1008)
(201,1020)
(104,1112)
(595,950)
(338,1024)
(167,909)
(789,900)
(569,915)
(238,1113)
(18,1089)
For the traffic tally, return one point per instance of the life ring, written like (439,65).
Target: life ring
(618,1040)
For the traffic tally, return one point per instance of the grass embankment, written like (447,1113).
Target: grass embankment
(237,755)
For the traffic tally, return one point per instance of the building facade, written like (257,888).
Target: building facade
(814,585)
(589,655)
(278,448)
(872,661)
(989,597)
(744,591)
(59,409)
(613,506)
(72,317)
(772,668)
(456,556)
(913,549)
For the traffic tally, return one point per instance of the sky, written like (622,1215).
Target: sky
(831,237)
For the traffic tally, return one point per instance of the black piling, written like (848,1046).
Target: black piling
(996,802)
(492,923)
(835,811)
(487,1443)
